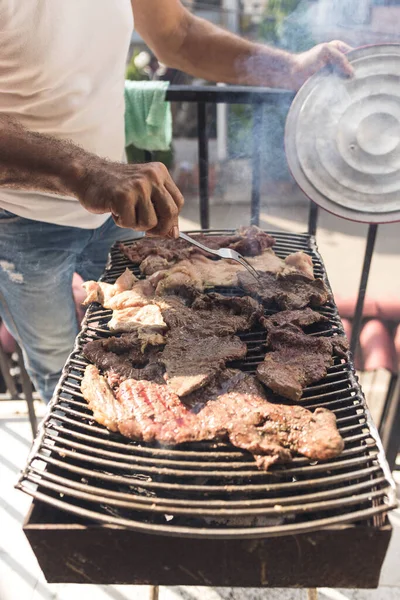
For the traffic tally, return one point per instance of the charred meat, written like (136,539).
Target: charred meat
(287,292)
(191,359)
(296,360)
(300,318)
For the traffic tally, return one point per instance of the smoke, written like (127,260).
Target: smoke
(357,22)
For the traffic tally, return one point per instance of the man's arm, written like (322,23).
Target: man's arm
(190,44)
(141,197)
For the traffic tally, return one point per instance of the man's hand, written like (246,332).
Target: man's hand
(308,63)
(140,196)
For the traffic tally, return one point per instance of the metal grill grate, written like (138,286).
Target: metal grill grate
(209,489)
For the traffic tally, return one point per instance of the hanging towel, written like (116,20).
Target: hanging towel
(148,118)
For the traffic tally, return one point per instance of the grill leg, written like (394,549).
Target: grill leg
(355,334)
(388,400)
(154,592)
(391,431)
(312,594)
(27,391)
(312,218)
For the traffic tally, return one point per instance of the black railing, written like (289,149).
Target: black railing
(258,98)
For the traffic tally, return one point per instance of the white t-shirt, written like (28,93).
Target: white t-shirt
(62,71)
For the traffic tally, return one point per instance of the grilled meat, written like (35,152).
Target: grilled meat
(192,359)
(124,358)
(201,272)
(128,319)
(211,314)
(234,407)
(296,360)
(102,292)
(288,292)
(247,240)
(301,262)
(300,318)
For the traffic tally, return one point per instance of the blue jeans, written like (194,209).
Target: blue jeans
(37,262)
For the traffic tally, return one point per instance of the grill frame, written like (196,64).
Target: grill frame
(370,471)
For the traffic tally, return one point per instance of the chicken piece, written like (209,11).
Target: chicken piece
(147,317)
(141,294)
(102,292)
(301,262)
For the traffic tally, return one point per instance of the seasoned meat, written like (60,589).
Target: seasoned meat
(288,292)
(296,360)
(227,314)
(100,398)
(252,241)
(192,359)
(124,357)
(247,240)
(153,263)
(153,412)
(210,314)
(300,318)
(234,407)
(236,404)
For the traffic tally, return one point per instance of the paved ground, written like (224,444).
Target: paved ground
(341,245)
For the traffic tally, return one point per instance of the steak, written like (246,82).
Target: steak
(300,318)
(287,292)
(123,358)
(192,359)
(234,407)
(297,360)
(211,314)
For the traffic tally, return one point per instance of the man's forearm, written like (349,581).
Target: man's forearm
(33,161)
(212,53)
(141,196)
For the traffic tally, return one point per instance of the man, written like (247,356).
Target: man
(65,195)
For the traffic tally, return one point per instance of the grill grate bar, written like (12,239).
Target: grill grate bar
(223,533)
(216,504)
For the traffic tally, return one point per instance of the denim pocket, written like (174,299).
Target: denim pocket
(8,217)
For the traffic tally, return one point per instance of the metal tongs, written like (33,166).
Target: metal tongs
(222,253)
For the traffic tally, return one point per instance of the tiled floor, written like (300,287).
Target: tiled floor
(341,244)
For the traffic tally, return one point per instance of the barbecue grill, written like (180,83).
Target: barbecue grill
(109,510)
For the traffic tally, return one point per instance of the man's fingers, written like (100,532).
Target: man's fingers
(341,46)
(124,212)
(175,194)
(166,210)
(146,217)
(338,59)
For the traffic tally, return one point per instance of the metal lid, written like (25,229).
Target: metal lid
(342,137)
